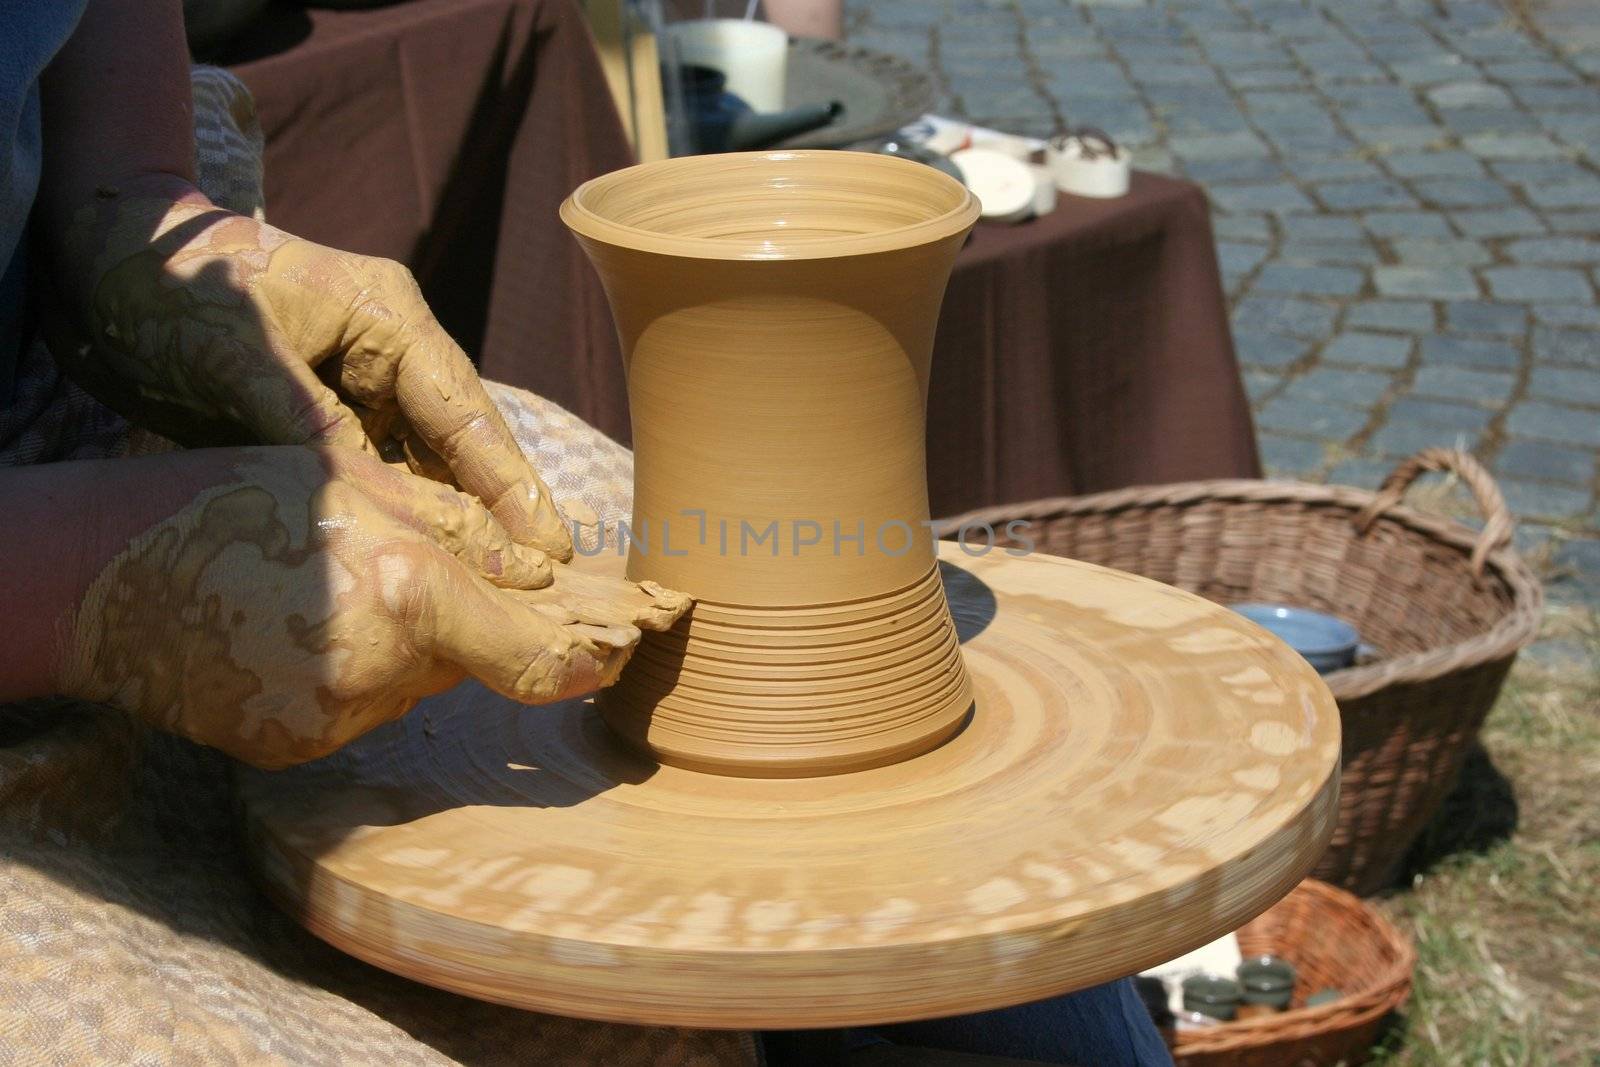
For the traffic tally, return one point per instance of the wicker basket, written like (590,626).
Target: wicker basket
(1335,941)
(1448,609)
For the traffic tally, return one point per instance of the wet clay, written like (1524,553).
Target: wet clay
(776,314)
(1144,772)
(214,328)
(318,593)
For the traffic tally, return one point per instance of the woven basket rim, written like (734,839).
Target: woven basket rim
(1509,635)
(1387,992)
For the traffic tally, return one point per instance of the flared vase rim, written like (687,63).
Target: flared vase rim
(579,215)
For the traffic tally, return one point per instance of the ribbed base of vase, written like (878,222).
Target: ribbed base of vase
(793,692)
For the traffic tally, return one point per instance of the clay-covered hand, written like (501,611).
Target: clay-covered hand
(307,595)
(213,329)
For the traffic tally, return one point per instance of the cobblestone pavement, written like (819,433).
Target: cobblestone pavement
(1407,208)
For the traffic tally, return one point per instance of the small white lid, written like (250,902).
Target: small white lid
(1004,186)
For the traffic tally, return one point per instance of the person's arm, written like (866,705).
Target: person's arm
(213,328)
(119,114)
(278,602)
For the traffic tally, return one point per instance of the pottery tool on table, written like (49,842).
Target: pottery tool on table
(869,778)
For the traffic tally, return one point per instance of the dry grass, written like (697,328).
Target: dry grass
(1504,900)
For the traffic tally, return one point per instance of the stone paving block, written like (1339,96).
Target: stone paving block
(1501,222)
(1566,346)
(1280,125)
(1564,315)
(1237,258)
(1313,281)
(1445,69)
(1352,70)
(1305,143)
(1397,440)
(1367,95)
(1297,100)
(1462,192)
(1057,48)
(1407,224)
(1539,285)
(1339,253)
(1461,252)
(1363,195)
(1530,70)
(1217,171)
(1385,139)
(1261,77)
(1335,170)
(1462,94)
(1477,316)
(1408,316)
(1289,455)
(1585,193)
(1540,171)
(1383,116)
(1437,283)
(1448,164)
(1485,388)
(1552,422)
(1259,349)
(1364,473)
(1284,315)
(1579,222)
(1566,385)
(1261,196)
(1242,227)
(1555,250)
(1368,350)
(1338,385)
(1469,352)
(1546,462)
(1577,128)
(1557,97)
(1231,146)
(1513,146)
(1441,415)
(1320,228)
(1185,74)
(1544,501)
(1305,418)
(1473,121)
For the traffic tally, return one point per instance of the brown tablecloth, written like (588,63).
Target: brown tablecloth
(1085,351)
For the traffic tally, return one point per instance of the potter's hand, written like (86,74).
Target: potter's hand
(305,595)
(213,328)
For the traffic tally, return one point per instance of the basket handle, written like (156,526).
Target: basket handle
(1497,517)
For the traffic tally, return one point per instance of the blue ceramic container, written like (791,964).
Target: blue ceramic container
(1328,643)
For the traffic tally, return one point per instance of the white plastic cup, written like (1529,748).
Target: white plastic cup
(754,56)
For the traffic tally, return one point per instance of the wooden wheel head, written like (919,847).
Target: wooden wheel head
(1143,772)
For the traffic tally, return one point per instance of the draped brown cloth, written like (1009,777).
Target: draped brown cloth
(1084,351)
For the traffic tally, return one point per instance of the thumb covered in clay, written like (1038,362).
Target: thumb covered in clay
(510,641)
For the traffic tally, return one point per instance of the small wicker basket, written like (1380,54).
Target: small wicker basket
(1449,609)
(1335,941)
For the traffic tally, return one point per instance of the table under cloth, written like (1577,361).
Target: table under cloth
(1084,351)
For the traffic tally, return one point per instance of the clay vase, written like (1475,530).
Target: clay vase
(776,313)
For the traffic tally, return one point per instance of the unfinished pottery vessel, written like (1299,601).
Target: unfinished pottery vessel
(776,313)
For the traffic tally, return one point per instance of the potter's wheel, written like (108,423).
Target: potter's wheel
(1144,772)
